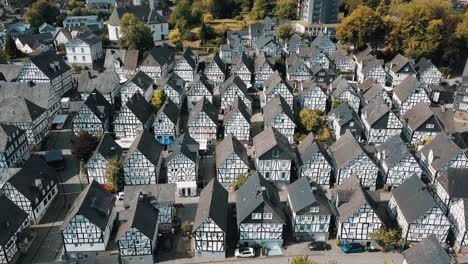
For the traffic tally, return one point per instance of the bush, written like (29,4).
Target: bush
(186,228)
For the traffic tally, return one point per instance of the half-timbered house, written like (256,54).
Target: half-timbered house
(322,75)
(352,159)
(93,116)
(294,43)
(134,117)
(157,62)
(314,56)
(429,250)
(267,44)
(314,162)
(140,82)
(13,222)
(341,61)
(311,210)
(324,43)
(347,92)
(428,72)
(87,227)
(97,163)
(369,67)
(237,121)
(14,148)
(174,88)
(417,212)
(399,68)
(439,154)
(273,156)
(264,67)
(123,62)
(137,235)
(243,66)
(409,93)
(142,163)
(107,83)
(234,87)
(278,114)
(421,124)
(32,188)
(211,221)
(357,212)
(231,160)
(166,123)
(371,90)
(186,65)
(296,69)
(396,161)
(313,96)
(260,217)
(199,88)
(380,122)
(216,70)
(343,118)
(276,85)
(202,123)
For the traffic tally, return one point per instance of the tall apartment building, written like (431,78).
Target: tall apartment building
(318,11)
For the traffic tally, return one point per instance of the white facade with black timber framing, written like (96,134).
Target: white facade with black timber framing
(313,96)
(166,123)
(93,116)
(380,122)
(97,163)
(428,72)
(203,122)
(343,118)
(182,168)
(216,70)
(314,162)
(14,148)
(243,66)
(276,85)
(186,65)
(140,82)
(237,121)
(199,88)
(399,68)
(344,90)
(297,69)
(231,160)
(408,94)
(174,88)
(278,114)
(234,87)
(135,116)
(264,67)
(13,224)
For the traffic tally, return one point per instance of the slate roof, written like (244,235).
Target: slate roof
(417,116)
(94,203)
(269,138)
(141,80)
(255,192)
(203,105)
(201,77)
(140,215)
(413,199)
(10,222)
(86,37)
(444,150)
(36,40)
(146,144)
(428,251)
(398,62)
(368,65)
(138,105)
(104,82)
(394,149)
(344,113)
(454,181)
(274,107)
(128,58)
(158,56)
(274,80)
(219,63)
(143,12)
(98,105)
(213,203)
(7,131)
(341,85)
(338,55)
(308,147)
(261,59)
(228,146)
(238,82)
(155,193)
(189,56)
(375,110)
(238,105)
(174,81)
(263,40)
(9,72)
(406,87)
(19,110)
(189,142)
(50,64)
(303,194)
(346,149)
(171,110)
(423,65)
(108,148)
(373,91)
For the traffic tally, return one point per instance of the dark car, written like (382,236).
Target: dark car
(352,248)
(318,245)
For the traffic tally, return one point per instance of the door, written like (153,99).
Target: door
(189,192)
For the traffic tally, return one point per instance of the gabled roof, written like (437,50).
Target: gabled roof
(308,147)
(255,192)
(37,93)
(146,144)
(274,80)
(143,12)
(158,56)
(19,110)
(238,105)
(86,37)
(368,65)
(406,87)
(303,194)
(423,65)
(7,131)
(98,105)
(94,203)
(50,64)
(341,85)
(320,39)
(204,105)
(418,115)
(269,138)
(171,110)
(274,107)
(140,215)
(413,199)
(138,105)
(213,203)
(201,77)
(238,82)
(141,80)
(230,145)
(393,150)
(264,40)
(444,150)
(174,81)
(108,148)
(261,59)
(128,59)
(186,146)
(454,181)
(9,72)
(428,251)
(190,57)
(346,149)
(344,113)
(338,55)
(11,220)
(219,63)
(398,62)
(373,91)
(189,142)
(36,40)
(375,110)
(105,82)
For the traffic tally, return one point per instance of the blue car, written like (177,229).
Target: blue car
(352,248)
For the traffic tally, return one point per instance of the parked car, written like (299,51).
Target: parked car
(318,245)
(120,196)
(352,248)
(247,252)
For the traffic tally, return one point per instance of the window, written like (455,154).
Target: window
(283,175)
(267,216)
(267,175)
(314,209)
(351,124)
(429,125)
(83,57)
(256,216)
(275,153)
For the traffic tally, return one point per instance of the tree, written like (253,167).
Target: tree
(175,37)
(312,120)
(324,135)
(259,9)
(83,145)
(186,227)
(135,34)
(363,26)
(336,102)
(203,33)
(158,99)
(113,174)
(301,260)
(284,32)
(40,12)
(181,16)
(240,180)
(462,28)
(286,9)
(351,5)
(387,239)
(11,50)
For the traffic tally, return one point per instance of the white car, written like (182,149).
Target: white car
(244,252)
(120,196)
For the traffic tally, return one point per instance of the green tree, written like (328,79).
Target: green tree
(284,32)
(175,37)
(336,102)
(462,28)
(240,180)
(83,145)
(158,99)
(387,238)
(114,174)
(259,9)
(286,9)
(40,12)
(11,50)
(325,135)
(186,227)
(312,120)
(181,16)
(135,34)
(203,33)
(363,26)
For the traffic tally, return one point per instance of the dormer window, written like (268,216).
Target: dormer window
(275,153)
(406,68)
(429,125)
(314,209)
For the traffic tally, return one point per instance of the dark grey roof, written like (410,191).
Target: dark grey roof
(138,105)
(108,148)
(128,59)
(320,39)
(274,80)
(10,220)
(346,149)
(263,40)
(424,64)
(15,109)
(255,192)
(9,72)
(36,40)
(105,82)
(269,138)
(50,64)
(375,110)
(213,203)
(238,82)
(454,181)
(418,115)
(341,85)
(413,199)
(230,145)
(7,132)
(216,60)
(428,251)
(155,193)
(174,81)
(308,147)
(238,105)
(146,144)
(338,55)
(158,56)
(190,57)
(142,80)
(171,110)
(143,12)
(94,203)
(38,93)
(398,62)
(189,142)
(84,36)
(444,150)
(274,107)
(204,105)
(393,150)
(302,194)
(261,59)
(201,77)
(98,105)
(344,113)
(406,87)
(373,91)
(140,215)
